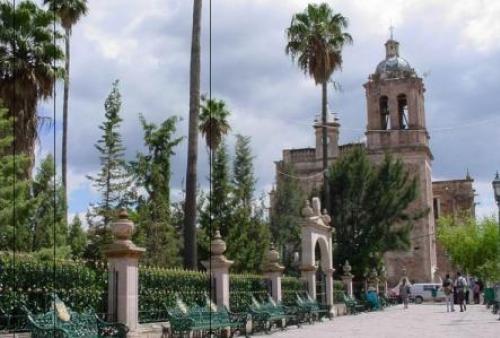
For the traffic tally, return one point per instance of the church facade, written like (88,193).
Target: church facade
(396,124)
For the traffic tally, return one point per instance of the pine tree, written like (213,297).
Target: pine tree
(47,221)
(285,222)
(15,203)
(113,180)
(77,237)
(151,172)
(370,208)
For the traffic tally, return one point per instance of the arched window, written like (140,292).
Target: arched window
(403,112)
(385,120)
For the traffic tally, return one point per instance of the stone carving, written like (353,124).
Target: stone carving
(347,269)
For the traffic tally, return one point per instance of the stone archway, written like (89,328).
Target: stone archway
(316,230)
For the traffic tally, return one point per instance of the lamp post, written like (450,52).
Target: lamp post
(496,191)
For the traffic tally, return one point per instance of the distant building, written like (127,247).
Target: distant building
(396,124)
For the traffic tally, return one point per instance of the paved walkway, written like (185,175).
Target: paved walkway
(426,320)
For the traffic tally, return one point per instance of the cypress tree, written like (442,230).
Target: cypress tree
(248,234)
(151,172)
(77,237)
(14,189)
(370,208)
(285,219)
(44,201)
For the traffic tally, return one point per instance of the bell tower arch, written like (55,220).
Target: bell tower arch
(396,124)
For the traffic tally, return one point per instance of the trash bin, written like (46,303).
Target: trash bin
(434,292)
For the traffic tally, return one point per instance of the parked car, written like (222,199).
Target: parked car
(421,292)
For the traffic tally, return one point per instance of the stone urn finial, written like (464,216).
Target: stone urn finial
(373,273)
(347,268)
(272,261)
(218,246)
(307,211)
(326,218)
(122,228)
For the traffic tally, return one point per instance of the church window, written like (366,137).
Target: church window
(403,112)
(385,120)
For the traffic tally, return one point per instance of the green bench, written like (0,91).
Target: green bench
(205,319)
(352,305)
(62,323)
(266,314)
(313,309)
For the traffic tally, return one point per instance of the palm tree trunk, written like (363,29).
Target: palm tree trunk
(190,249)
(64,155)
(324,112)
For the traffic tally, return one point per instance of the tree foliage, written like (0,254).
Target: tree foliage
(15,201)
(213,121)
(473,245)
(285,222)
(48,208)
(77,239)
(369,204)
(113,179)
(151,173)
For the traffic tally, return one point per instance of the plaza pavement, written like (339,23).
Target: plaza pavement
(422,321)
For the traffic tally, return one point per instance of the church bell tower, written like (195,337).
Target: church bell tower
(396,125)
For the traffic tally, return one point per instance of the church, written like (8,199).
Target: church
(396,123)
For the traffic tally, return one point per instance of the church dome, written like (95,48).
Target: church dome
(394,66)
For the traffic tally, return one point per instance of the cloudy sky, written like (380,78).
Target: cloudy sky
(146,44)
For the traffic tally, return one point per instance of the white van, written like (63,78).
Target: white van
(420,292)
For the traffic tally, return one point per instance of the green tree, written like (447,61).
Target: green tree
(15,201)
(243,176)
(77,239)
(151,172)
(316,37)
(285,225)
(27,75)
(48,208)
(473,245)
(69,13)
(247,233)
(113,180)
(370,208)
(190,244)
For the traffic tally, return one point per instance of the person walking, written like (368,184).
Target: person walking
(476,290)
(448,291)
(461,283)
(404,292)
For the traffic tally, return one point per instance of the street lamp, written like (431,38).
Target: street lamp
(496,191)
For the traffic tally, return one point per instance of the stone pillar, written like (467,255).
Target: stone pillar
(218,268)
(329,287)
(383,280)
(123,264)
(347,278)
(374,280)
(273,270)
(309,275)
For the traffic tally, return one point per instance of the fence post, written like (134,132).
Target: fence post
(273,270)
(347,278)
(218,269)
(123,263)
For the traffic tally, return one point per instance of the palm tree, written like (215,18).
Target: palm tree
(213,122)
(28,68)
(316,37)
(190,249)
(69,12)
